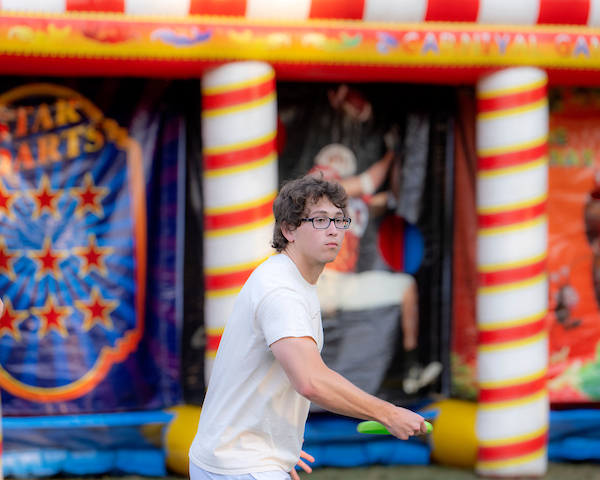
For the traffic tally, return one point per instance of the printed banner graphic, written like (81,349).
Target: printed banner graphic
(574,246)
(73,252)
(375,298)
(105,36)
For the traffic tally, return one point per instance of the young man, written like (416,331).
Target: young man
(268,367)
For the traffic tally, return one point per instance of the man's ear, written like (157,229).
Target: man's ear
(287,232)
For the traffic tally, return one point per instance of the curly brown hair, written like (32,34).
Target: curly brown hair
(296,197)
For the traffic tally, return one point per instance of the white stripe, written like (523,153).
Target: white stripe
(536,468)
(172,8)
(515,187)
(242,187)
(512,304)
(278,9)
(249,246)
(512,363)
(512,246)
(395,10)
(240,126)
(512,130)
(234,72)
(509,78)
(38,6)
(515,12)
(217,310)
(594,14)
(512,422)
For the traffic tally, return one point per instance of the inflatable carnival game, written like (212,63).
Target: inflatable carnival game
(142,145)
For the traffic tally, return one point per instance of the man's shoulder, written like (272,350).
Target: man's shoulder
(272,265)
(274,272)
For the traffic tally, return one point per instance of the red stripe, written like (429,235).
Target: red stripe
(226,280)
(212,342)
(239,217)
(225,8)
(340,9)
(513,333)
(235,97)
(511,217)
(510,101)
(505,394)
(501,277)
(448,11)
(239,157)
(573,12)
(117,6)
(514,158)
(513,450)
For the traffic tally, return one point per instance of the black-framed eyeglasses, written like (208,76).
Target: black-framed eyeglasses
(321,223)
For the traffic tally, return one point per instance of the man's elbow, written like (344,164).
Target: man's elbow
(307,389)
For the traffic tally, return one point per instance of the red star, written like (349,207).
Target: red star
(7,200)
(92,256)
(45,199)
(90,197)
(51,317)
(96,311)
(7,261)
(47,260)
(9,323)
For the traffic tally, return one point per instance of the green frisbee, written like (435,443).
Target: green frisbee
(378,429)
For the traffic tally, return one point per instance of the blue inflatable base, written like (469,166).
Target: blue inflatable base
(574,436)
(43,462)
(334,442)
(121,444)
(127,443)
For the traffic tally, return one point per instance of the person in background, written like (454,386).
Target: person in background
(344,292)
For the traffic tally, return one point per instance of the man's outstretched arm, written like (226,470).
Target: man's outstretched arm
(311,378)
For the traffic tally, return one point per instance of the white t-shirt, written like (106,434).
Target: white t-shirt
(252,419)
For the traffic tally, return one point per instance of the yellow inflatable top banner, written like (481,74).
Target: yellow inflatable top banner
(77,37)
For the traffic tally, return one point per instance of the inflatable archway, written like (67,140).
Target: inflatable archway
(510,50)
(345,39)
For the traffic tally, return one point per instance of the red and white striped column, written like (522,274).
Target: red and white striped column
(512,296)
(239,126)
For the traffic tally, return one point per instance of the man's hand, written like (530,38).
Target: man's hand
(303,465)
(1,307)
(405,423)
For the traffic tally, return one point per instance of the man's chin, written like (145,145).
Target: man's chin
(331,258)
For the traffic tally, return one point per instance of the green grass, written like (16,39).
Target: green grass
(556,471)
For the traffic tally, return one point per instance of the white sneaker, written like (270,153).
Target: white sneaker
(426,376)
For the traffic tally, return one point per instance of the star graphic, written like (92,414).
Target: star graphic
(52,317)
(89,197)
(96,311)
(47,261)
(92,257)
(7,260)
(7,199)
(11,318)
(45,199)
